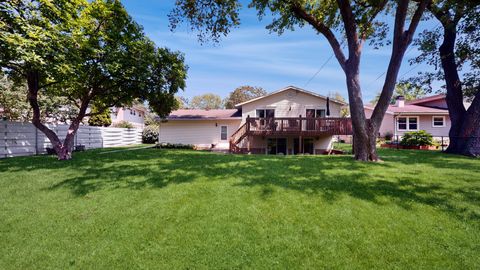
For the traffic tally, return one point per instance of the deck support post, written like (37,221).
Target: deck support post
(300,144)
(248,144)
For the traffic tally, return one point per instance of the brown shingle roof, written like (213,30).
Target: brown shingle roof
(196,114)
(410,109)
(426,99)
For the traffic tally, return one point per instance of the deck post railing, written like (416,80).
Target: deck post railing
(300,124)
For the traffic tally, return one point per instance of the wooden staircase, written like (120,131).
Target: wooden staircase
(237,137)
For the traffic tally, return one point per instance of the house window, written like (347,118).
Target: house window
(412,123)
(438,121)
(265,113)
(407,123)
(315,113)
(223,133)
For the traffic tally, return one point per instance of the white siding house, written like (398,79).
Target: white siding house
(288,121)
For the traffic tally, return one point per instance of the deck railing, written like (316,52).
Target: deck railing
(299,126)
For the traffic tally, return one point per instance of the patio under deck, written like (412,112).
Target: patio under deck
(290,126)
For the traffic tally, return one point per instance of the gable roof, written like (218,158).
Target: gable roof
(290,88)
(426,99)
(196,114)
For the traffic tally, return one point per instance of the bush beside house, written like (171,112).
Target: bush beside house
(150,134)
(123,124)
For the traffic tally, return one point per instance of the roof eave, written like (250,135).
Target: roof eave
(287,88)
(202,119)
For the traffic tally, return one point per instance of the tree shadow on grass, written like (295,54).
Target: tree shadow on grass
(328,177)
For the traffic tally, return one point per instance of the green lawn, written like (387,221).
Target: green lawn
(179,209)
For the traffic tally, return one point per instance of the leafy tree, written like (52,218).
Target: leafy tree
(100,118)
(407,90)
(242,94)
(455,47)
(344,111)
(13,101)
(182,102)
(355,20)
(206,102)
(85,52)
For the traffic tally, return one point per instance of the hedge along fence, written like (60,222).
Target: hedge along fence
(23,139)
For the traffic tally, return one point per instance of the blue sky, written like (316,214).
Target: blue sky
(250,55)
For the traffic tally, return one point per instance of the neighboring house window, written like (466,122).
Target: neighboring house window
(223,133)
(407,123)
(438,121)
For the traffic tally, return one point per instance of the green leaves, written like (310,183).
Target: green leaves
(87,52)
(242,94)
(212,19)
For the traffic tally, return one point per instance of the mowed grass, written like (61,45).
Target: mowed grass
(180,209)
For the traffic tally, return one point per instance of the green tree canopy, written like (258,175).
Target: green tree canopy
(86,52)
(242,94)
(206,102)
(407,90)
(100,118)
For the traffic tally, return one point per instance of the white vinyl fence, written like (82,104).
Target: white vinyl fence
(23,139)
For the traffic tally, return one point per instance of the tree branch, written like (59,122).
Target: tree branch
(324,30)
(401,40)
(348,18)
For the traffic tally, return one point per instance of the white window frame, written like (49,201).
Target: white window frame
(408,123)
(226,133)
(438,116)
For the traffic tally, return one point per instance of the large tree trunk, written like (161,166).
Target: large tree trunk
(365,147)
(465,124)
(63,149)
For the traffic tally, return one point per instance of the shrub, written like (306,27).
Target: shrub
(417,138)
(123,124)
(388,136)
(150,134)
(175,146)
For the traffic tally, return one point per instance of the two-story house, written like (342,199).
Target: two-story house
(288,121)
(134,115)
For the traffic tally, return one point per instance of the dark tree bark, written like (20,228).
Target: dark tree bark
(62,148)
(464,133)
(365,130)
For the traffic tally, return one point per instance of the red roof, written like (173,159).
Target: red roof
(407,108)
(195,114)
(426,99)
(410,109)
(414,106)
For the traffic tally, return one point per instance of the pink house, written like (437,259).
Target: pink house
(134,115)
(429,114)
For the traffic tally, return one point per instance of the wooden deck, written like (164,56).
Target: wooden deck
(299,126)
(289,126)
